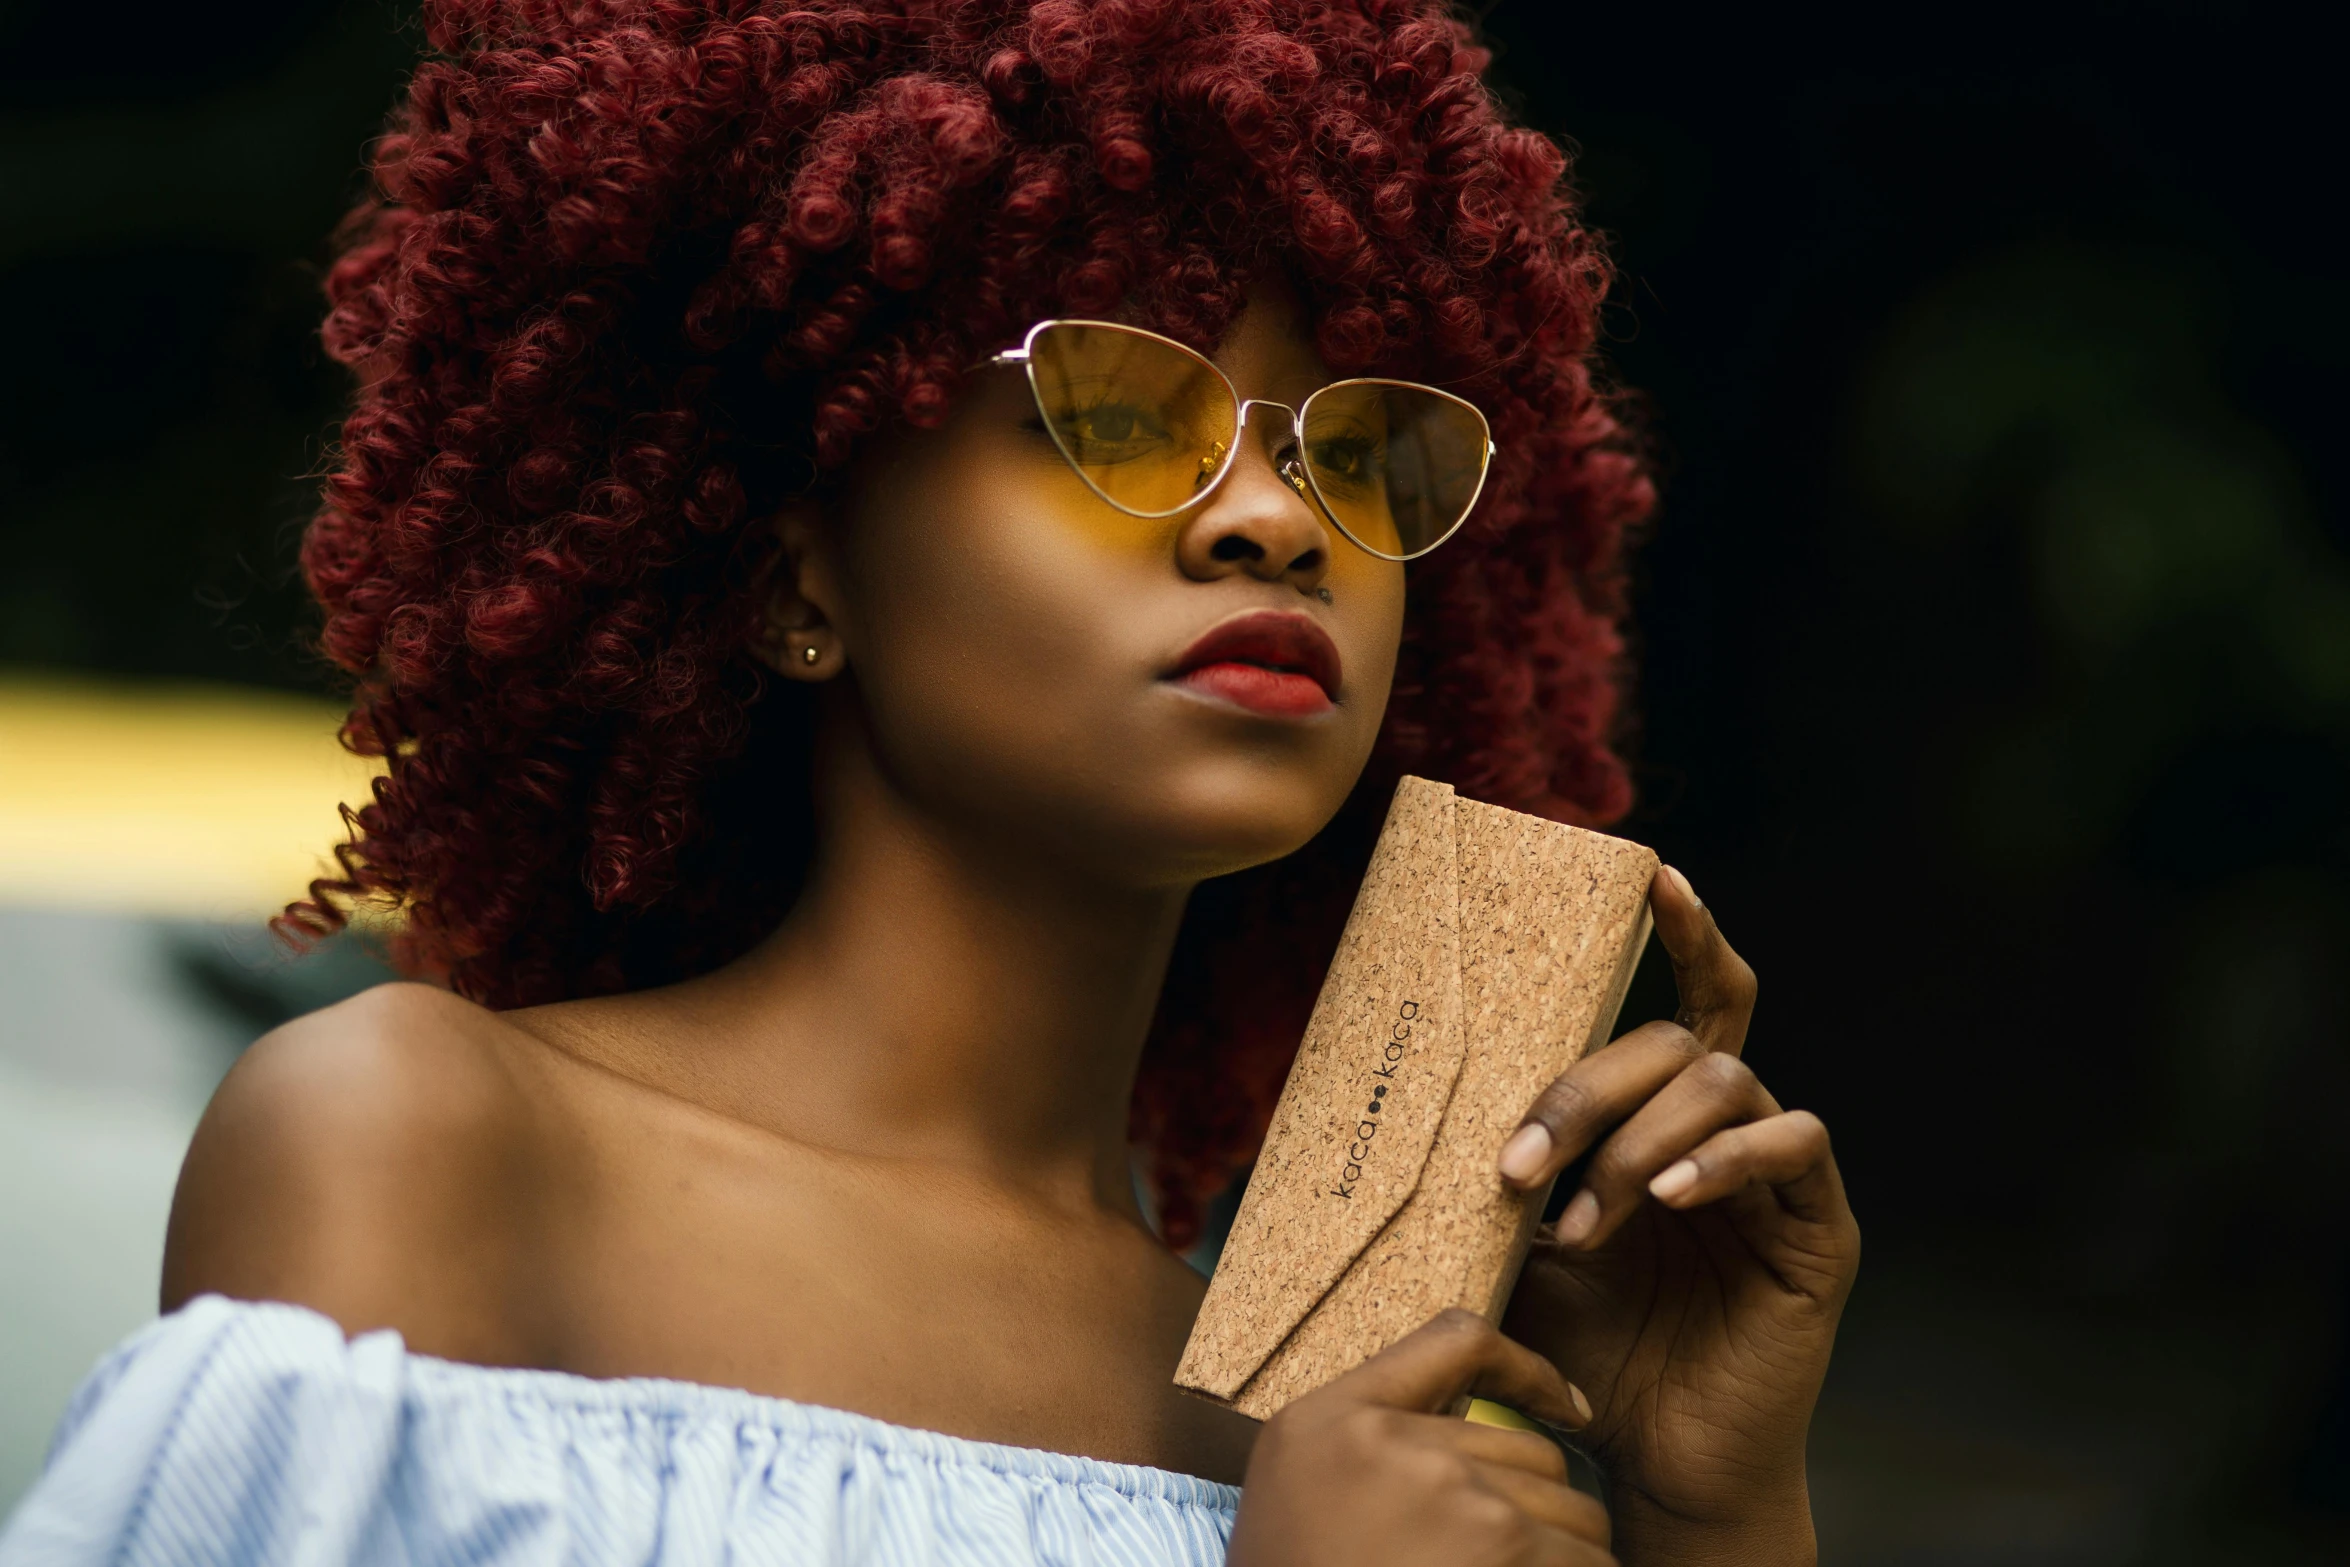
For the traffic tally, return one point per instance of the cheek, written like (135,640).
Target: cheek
(1367,594)
(1058,504)
(988,606)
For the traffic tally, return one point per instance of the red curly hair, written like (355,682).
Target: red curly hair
(639,269)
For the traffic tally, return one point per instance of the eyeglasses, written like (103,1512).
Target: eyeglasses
(1152,428)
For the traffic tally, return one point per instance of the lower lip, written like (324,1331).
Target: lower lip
(1274,692)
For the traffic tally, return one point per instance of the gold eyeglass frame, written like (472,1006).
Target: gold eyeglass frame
(1294,470)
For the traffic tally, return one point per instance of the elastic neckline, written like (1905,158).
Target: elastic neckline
(701,1401)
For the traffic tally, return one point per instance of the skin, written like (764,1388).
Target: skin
(805,1176)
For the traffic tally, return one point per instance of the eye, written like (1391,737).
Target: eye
(1116,424)
(1348,459)
(1107,424)
(1101,427)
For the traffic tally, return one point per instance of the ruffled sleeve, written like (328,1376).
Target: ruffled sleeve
(240,1433)
(210,1437)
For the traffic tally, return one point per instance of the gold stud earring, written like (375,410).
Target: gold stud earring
(809,655)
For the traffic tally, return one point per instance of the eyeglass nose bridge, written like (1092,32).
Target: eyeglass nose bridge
(1287,462)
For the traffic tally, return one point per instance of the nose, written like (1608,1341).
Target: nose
(1257,523)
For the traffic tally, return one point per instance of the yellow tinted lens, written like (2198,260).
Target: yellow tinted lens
(1145,421)
(1398,466)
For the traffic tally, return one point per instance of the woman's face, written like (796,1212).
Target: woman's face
(1154,701)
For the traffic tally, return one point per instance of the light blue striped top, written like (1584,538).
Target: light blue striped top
(237,1433)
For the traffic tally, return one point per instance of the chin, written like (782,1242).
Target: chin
(1229,814)
(1171,800)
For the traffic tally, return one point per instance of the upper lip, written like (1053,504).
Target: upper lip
(1287,642)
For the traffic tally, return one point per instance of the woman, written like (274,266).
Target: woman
(890,646)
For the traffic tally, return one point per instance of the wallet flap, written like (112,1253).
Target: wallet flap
(1352,1131)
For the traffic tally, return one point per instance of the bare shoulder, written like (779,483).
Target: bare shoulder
(369,1161)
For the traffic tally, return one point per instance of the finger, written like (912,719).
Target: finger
(1515,1449)
(1511,1446)
(1788,1152)
(1716,985)
(1594,1094)
(1556,1548)
(1712,1092)
(1553,1503)
(1458,1352)
(1528,1471)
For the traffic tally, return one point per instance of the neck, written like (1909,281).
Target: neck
(939,994)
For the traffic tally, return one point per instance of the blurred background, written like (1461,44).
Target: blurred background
(1995,688)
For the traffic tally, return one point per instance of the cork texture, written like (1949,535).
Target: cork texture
(1385,1032)
(1524,934)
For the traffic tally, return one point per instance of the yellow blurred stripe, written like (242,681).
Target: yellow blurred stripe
(1492,1414)
(203,800)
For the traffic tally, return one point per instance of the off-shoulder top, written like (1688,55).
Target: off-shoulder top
(231,1432)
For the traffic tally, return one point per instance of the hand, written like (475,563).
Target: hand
(1376,1469)
(1693,1281)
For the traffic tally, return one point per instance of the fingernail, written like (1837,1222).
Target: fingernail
(1682,882)
(1580,1219)
(1522,1155)
(1582,1404)
(1674,1181)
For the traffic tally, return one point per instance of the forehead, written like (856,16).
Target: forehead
(1270,350)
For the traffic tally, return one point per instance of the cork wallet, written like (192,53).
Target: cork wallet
(1487,951)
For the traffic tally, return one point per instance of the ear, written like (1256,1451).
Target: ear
(799,630)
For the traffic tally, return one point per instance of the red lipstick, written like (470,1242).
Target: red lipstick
(1281,665)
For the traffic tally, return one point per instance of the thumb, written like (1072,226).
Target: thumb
(1457,1353)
